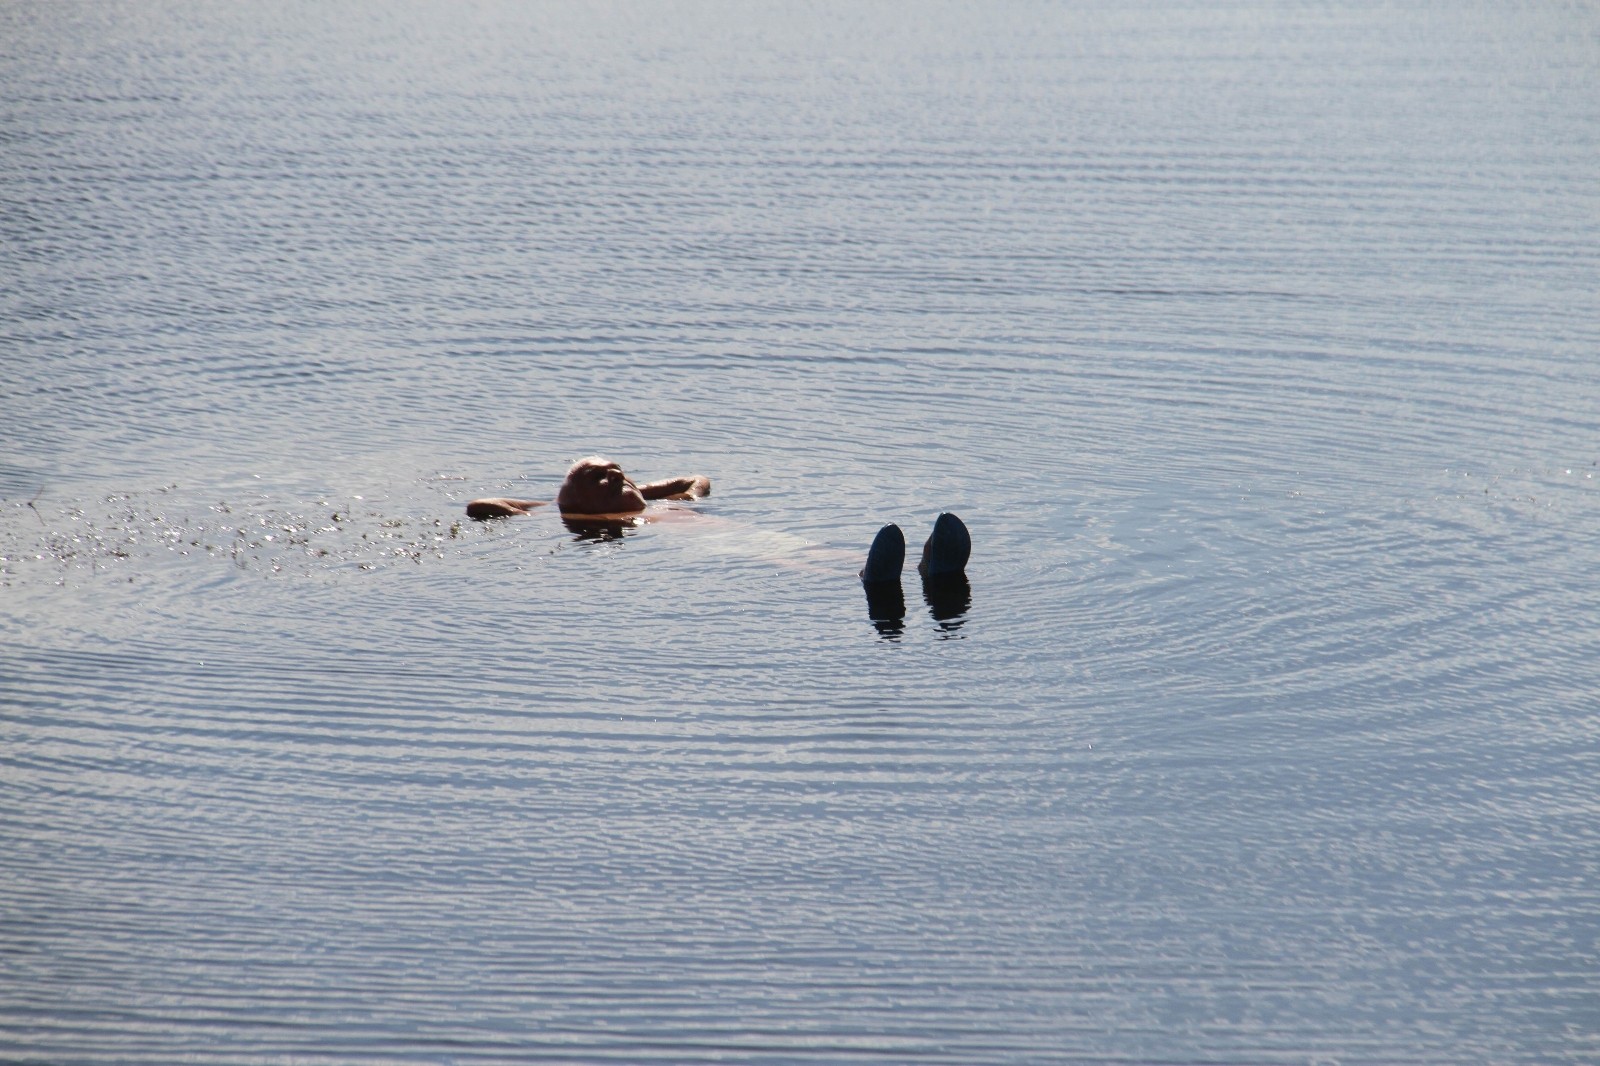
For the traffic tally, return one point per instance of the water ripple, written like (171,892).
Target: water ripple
(1254,344)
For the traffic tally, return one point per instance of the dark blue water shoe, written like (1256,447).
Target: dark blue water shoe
(948,548)
(886,556)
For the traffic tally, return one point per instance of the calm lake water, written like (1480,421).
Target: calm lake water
(1258,345)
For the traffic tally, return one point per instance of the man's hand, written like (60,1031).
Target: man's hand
(677,488)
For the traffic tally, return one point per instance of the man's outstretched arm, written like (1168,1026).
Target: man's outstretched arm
(500,507)
(677,488)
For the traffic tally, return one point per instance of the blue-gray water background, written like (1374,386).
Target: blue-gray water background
(1257,343)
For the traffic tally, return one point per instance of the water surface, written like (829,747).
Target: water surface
(1254,344)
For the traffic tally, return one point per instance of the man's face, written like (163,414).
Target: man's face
(598,486)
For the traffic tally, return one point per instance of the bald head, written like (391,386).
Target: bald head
(597,486)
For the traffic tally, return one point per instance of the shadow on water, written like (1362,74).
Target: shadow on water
(886,607)
(949,598)
(600,531)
